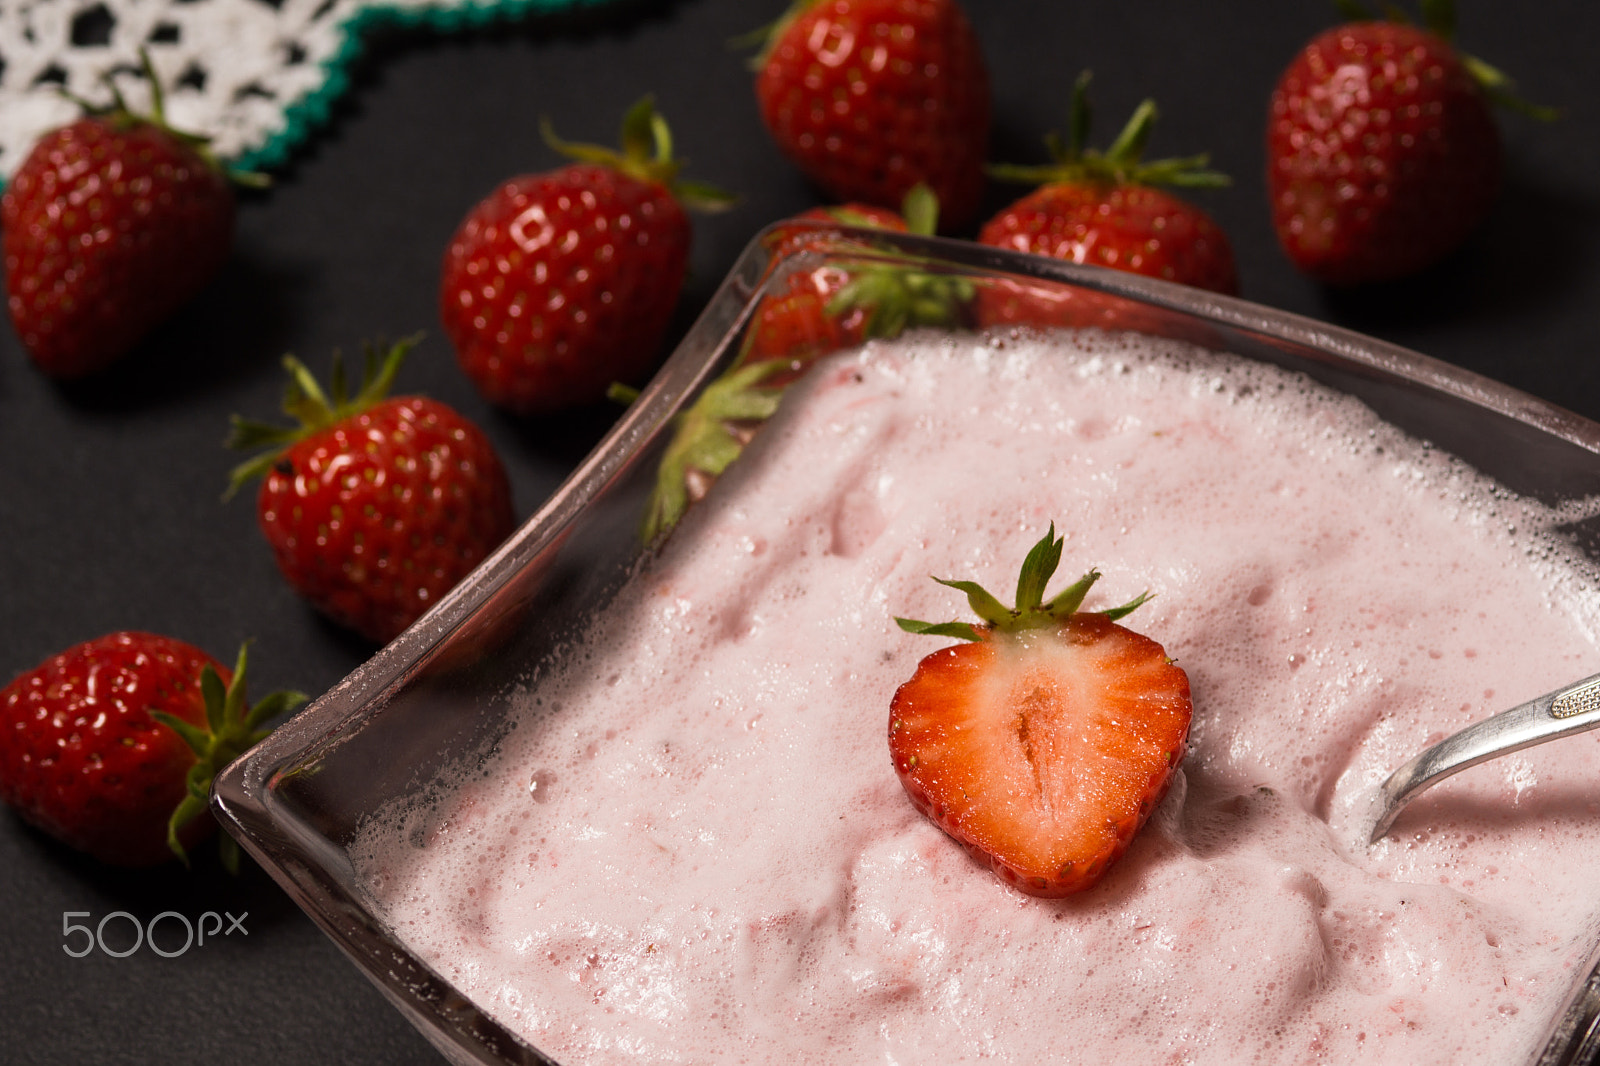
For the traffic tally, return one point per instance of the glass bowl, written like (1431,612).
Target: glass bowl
(437,695)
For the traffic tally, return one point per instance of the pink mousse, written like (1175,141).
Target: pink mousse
(694,848)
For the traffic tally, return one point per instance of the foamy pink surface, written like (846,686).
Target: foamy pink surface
(694,848)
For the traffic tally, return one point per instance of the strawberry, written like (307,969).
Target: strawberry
(111,745)
(1044,742)
(375,506)
(1012,301)
(870,97)
(808,314)
(1382,153)
(1106,209)
(808,318)
(557,284)
(110,224)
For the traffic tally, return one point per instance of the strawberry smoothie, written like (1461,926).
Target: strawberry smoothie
(694,848)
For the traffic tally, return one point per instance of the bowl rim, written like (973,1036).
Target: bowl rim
(241,796)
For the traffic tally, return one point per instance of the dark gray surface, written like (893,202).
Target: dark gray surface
(109,494)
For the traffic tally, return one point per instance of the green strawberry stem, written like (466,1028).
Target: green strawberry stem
(1032,611)
(1120,164)
(619,393)
(229,731)
(1501,90)
(920,209)
(766,37)
(646,155)
(1439,19)
(123,117)
(312,409)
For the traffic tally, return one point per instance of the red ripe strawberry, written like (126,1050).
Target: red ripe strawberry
(794,325)
(375,507)
(111,745)
(1106,209)
(1043,743)
(558,284)
(1049,305)
(807,318)
(1382,154)
(1137,228)
(111,224)
(870,97)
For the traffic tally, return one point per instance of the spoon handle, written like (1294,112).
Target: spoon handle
(1572,709)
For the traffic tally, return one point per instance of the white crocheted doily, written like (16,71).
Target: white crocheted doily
(255,75)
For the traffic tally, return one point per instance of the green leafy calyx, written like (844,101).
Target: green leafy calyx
(766,38)
(229,730)
(895,297)
(645,155)
(121,116)
(1073,162)
(1032,610)
(313,409)
(707,438)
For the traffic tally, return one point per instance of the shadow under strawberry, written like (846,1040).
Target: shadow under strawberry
(203,347)
(1532,251)
(356,648)
(204,886)
(1007,140)
(559,440)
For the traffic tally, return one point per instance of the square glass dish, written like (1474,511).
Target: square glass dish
(437,698)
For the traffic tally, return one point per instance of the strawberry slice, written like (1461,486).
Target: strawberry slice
(1044,742)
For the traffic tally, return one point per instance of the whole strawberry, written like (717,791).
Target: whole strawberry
(111,745)
(804,315)
(558,284)
(870,97)
(375,506)
(110,225)
(1046,740)
(823,310)
(1382,153)
(1043,305)
(1108,210)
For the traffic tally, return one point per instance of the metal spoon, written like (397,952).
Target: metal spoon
(1574,709)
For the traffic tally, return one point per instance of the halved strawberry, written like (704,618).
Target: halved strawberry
(1043,743)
